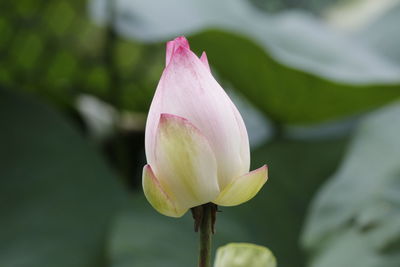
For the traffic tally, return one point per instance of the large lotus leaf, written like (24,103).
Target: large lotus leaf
(290,65)
(383,35)
(286,94)
(57,195)
(360,205)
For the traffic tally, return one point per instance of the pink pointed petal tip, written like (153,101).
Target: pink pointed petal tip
(173,45)
(204,59)
(181,41)
(181,58)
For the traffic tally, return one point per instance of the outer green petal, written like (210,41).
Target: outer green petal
(243,188)
(185,163)
(156,195)
(244,255)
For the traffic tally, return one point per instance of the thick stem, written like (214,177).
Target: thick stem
(206,231)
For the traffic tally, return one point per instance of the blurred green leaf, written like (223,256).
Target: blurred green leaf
(142,237)
(294,39)
(63,67)
(271,60)
(275,216)
(244,255)
(56,194)
(5,29)
(59,15)
(286,94)
(97,81)
(26,8)
(50,48)
(355,219)
(383,34)
(126,56)
(315,6)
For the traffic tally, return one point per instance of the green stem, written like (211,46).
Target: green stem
(206,231)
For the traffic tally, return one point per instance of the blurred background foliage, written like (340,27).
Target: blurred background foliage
(317,82)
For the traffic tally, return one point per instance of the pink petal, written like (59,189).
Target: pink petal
(188,89)
(173,45)
(204,59)
(244,140)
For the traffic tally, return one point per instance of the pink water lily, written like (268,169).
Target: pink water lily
(197,146)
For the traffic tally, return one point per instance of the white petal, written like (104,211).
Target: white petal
(185,163)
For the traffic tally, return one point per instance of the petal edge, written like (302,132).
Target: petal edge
(243,188)
(157,196)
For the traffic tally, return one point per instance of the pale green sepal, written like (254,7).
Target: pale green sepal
(244,255)
(243,188)
(185,163)
(157,196)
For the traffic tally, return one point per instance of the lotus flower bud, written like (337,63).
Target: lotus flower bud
(197,147)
